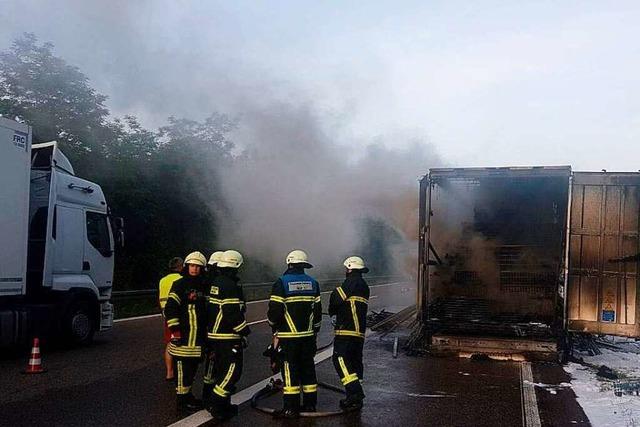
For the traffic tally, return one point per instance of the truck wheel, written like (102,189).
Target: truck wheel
(79,324)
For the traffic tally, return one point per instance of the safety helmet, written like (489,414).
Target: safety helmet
(195,258)
(215,257)
(298,257)
(231,259)
(355,263)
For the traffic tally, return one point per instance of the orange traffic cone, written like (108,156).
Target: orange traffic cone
(35,362)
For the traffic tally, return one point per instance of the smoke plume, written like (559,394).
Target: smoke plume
(296,186)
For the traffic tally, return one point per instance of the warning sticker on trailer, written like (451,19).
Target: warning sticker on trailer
(608,316)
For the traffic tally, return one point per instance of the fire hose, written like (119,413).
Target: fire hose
(274,387)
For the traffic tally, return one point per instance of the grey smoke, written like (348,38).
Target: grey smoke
(306,174)
(297,187)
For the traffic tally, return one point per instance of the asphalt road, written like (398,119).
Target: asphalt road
(119,381)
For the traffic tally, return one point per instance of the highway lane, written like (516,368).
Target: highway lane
(119,380)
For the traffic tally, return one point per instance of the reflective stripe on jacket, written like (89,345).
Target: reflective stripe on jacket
(349,303)
(295,309)
(225,308)
(186,311)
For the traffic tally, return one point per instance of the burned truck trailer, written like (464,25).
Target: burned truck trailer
(511,259)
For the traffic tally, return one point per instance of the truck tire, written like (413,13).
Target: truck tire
(79,323)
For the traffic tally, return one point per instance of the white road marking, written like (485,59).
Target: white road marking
(257,321)
(126,319)
(201,417)
(530,414)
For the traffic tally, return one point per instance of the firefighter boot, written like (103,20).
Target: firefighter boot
(221,409)
(188,403)
(309,401)
(232,410)
(351,404)
(207,390)
(286,413)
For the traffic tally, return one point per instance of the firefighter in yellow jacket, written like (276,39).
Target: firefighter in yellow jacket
(295,314)
(164,287)
(185,312)
(226,332)
(349,303)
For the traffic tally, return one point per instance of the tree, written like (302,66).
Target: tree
(55,98)
(164,184)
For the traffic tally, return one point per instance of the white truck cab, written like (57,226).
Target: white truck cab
(64,282)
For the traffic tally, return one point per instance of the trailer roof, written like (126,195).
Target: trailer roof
(478,172)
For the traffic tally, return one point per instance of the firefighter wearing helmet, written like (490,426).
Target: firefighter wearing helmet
(185,312)
(207,381)
(226,332)
(349,303)
(295,315)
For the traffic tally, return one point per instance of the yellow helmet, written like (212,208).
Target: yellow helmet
(215,257)
(355,263)
(231,259)
(195,258)
(298,257)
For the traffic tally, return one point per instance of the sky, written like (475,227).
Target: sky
(485,83)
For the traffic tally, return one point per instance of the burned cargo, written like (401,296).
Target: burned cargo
(495,257)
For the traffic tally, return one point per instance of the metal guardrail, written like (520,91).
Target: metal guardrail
(134,293)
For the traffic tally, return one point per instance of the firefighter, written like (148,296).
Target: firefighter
(207,386)
(226,332)
(186,317)
(164,287)
(295,314)
(212,265)
(348,303)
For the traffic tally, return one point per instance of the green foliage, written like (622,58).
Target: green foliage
(164,184)
(376,243)
(53,96)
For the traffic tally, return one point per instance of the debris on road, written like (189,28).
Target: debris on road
(606,381)
(606,372)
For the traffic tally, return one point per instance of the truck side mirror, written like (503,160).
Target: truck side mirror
(118,225)
(120,238)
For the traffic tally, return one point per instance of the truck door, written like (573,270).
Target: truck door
(98,249)
(68,239)
(602,289)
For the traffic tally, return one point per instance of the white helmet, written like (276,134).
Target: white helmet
(355,263)
(231,259)
(215,257)
(298,257)
(195,258)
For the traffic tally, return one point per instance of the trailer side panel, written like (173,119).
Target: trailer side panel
(15,152)
(602,291)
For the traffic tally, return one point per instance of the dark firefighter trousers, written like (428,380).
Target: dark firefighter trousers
(299,372)
(185,369)
(208,380)
(347,359)
(227,356)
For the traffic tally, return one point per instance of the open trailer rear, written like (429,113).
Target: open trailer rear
(511,259)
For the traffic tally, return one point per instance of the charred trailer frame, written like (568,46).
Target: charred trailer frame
(511,259)
(492,258)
